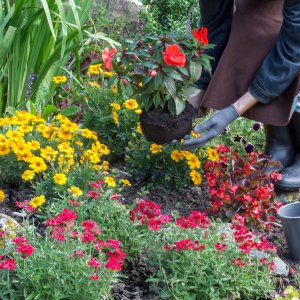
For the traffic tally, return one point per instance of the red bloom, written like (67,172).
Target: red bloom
(94,263)
(87,237)
(8,264)
(93,194)
(173,56)
(152,73)
(26,250)
(107,56)
(19,240)
(94,277)
(78,253)
(220,247)
(184,245)
(73,202)
(201,35)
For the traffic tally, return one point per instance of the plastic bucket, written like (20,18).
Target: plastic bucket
(290,219)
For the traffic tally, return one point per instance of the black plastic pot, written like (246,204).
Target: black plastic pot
(290,219)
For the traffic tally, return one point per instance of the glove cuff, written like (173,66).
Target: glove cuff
(238,114)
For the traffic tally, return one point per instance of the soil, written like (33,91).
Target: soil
(161,127)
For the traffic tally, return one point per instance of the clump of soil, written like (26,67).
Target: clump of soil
(161,127)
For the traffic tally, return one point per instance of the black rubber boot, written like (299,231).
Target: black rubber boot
(291,175)
(279,146)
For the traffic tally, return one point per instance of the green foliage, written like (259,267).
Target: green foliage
(159,168)
(170,15)
(290,293)
(208,273)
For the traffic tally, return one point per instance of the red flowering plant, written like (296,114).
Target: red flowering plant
(160,70)
(239,184)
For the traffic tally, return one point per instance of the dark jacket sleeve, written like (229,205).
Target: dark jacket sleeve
(282,64)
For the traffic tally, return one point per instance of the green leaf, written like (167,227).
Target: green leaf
(48,110)
(172,106)
(157,81)
(195,70)
(174,74)
(147,79)
(180,105)
(170,85)
(190,91)
(70,111)
(184,71)
(156,100)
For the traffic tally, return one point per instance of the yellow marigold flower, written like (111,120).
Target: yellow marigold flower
(177,155)
(64,134)
(94,69)
(26,128)
(94,158)
(131,104)
(20,148)
(115,106)
(105,165)
(139,128)
(3,139)
(76,191)
(27,157)
(94,84)
(14,135)
(4,149)
(37,164)
(110,181)
(86,133)
(2,196)
(212,154)
(126,182)
(37,201)
(194,134)
(155,148)
(60,178)
(79,143)
(115,117)
(59,79)
(196,177)
(97,167)
(106,73)
(65,148)
(193,161)
(141,84)
(114,89)
(101,148)
(48,153)
(28,175)
(34,145)
(138,111)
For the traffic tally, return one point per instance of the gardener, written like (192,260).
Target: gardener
(256,74)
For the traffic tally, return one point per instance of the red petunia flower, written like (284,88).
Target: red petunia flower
(107,56)
(173,56)
(201,35)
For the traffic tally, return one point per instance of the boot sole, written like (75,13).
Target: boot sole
(287,188)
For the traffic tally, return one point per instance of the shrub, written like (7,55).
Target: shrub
(239,184)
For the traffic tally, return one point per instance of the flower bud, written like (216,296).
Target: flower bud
(152,73)
(125,81)
(150,47)
(148,157)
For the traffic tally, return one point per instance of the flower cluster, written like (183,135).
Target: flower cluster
(147,212)
(194,220)
(186,244)
(238,183)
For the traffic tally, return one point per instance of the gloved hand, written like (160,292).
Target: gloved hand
(215,125)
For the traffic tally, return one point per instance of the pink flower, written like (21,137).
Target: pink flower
(19,240)
(8,264)
(93,194)
(220,247)
(93,262)
(26,250)
(152,73)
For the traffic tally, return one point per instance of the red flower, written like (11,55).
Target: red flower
(94,263)
(201,35)
(220,247)
(173,56)
(94,277)
(19,240)
(8,264)
(107,56)
(152,73)
(78,253)
(93,194)
(26,250)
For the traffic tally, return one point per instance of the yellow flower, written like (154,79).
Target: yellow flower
(196,177)
(138,111)
(155,148)
(14,135)
(105,165)
(94,69)
(60,178)
(64,134)
(86,133)
(59,79)
(212,154)
(79,143)
(94,84)
(193,161)
(114,89)
(177,155)
(37,201)
(131,104)
(106,73)
(28,175)
(48,153)
(115,117)
(76,191)
(194,134)
(126,182)
(26,128)
(4,149)
(110,181)
(2,196)
(34,145)
(139,128)
(37,164)
(115,106)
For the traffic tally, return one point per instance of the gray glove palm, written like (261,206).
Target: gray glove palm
(214,126)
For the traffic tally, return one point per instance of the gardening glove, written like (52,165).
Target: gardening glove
(214,126)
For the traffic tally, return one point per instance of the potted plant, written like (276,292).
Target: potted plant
(160,72)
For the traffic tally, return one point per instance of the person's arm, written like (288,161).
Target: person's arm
(282,64)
